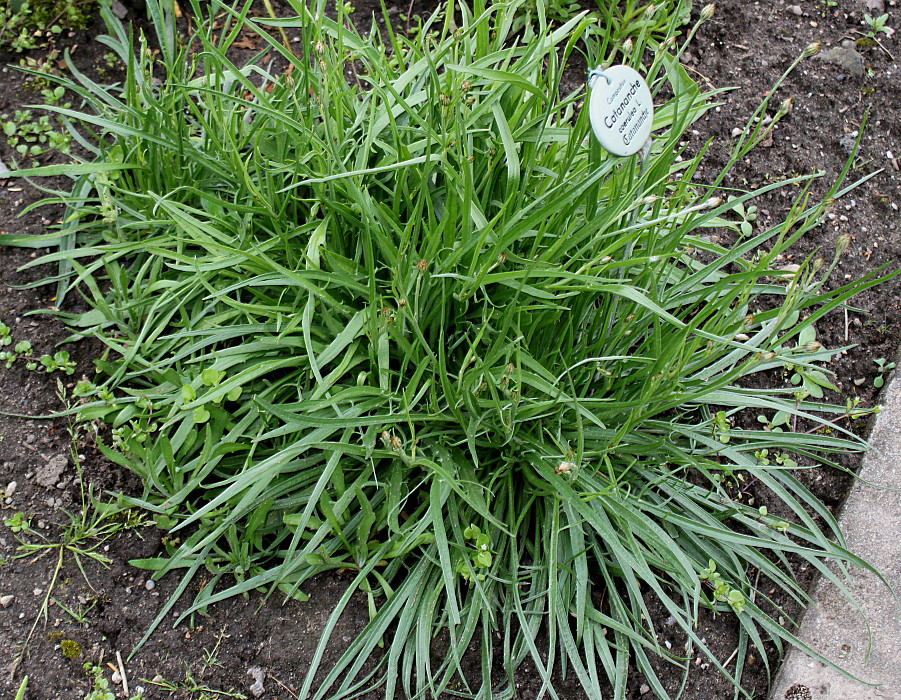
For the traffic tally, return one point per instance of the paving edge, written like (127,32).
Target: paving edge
(871,522)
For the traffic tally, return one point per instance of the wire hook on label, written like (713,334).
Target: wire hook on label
(594,73)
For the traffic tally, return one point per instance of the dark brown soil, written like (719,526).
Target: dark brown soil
(747,44)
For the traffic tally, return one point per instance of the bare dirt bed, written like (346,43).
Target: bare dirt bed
(246,642)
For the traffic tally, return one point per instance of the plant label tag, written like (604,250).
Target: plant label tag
(620,109)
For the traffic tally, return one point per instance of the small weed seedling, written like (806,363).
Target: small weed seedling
(475,562)
(22,350)
(781,458)
(18,522)
(883,368)
(777,524)
(877,25)
(100,686)
(79,612)
(211,656)
(723,592)
(870,39)
(780,420)
(721,427)
(853,411)
(33,136)
(809,380)
(747,214)
(195,690)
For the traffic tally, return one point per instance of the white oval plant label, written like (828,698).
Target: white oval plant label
(620,109)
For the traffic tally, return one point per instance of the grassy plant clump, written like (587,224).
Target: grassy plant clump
(392,312)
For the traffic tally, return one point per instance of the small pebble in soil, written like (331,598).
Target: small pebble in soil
(119,9)
(257,674)
(38,591)
(150,584)
(11,488)
(7,600)
(644,689)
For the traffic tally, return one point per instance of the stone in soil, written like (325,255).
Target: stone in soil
(873,5)
(257,674)
(846,58)
(119,9)
(49,474)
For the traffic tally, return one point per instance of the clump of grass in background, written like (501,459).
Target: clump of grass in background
(626,28)
(414,325)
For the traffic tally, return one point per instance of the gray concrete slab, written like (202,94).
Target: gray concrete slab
(871,520)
